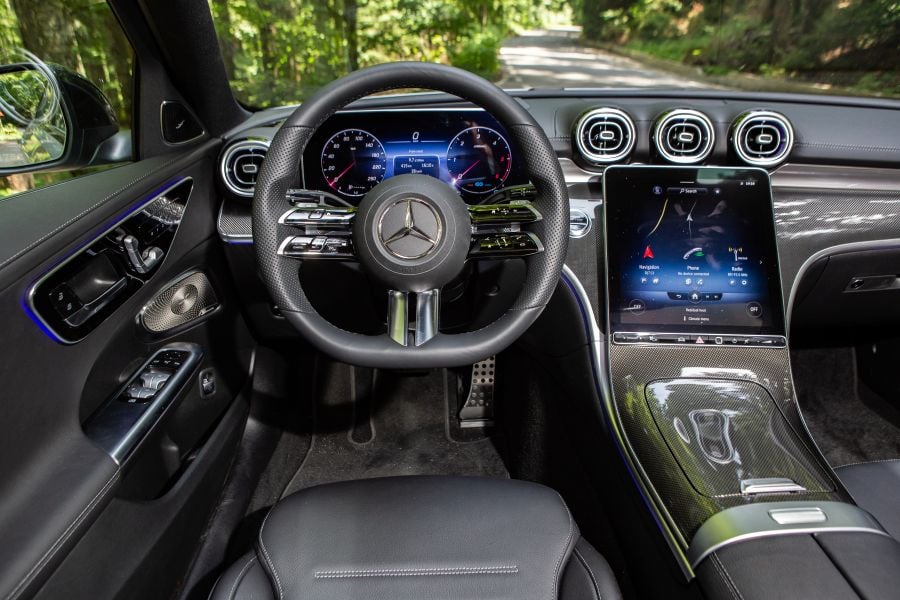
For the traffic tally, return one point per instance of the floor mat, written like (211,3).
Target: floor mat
(845,428)
(375,423)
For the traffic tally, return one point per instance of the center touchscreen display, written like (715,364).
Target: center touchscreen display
(692,250)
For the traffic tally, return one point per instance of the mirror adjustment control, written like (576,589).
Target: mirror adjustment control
(64,301)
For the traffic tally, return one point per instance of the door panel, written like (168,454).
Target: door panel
(64,501)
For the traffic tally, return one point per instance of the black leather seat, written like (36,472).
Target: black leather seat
(420,537)
(875,487)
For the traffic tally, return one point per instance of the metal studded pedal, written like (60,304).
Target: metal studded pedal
(478,410)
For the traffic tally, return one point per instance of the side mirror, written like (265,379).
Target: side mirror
(51,118)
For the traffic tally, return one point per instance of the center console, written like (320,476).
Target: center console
(700,397)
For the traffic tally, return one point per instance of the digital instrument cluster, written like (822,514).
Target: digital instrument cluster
(356,150)
(692,252)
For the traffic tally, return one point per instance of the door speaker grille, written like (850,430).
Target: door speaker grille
(190,298)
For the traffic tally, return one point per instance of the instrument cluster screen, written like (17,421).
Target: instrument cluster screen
(692,250)
(356,150)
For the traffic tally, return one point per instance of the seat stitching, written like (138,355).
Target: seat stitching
(562,555)
(590,571)
(37,242)
(413,572)
(240,577)
(269,563)
(868,462)
(735,592)
(54,548)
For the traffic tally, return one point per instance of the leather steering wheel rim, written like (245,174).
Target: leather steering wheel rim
(280,171)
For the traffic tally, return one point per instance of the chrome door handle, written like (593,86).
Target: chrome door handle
(143,262)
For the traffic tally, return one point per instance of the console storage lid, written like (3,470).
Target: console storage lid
(837,565)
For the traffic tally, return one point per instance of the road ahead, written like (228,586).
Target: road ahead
(554,59)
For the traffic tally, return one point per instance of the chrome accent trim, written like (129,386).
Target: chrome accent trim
(770,485)
(226,156)
(579,232)
(29,296)
(428,314)
(332,217)
(621,118)
(153,411)
(654,503)
(161,128)
(796,516)
(739,130)
(683,113)
(828,177)
(410,229)
(398,317)
(754,521)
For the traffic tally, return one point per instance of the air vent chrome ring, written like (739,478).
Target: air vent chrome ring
(684,136)
(604,135)
(762,138)
(240,164)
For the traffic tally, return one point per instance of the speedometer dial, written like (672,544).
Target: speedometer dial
(479,160)
(353,162)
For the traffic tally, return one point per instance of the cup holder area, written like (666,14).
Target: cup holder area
(725,432)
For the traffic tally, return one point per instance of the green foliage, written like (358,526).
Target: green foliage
(845,43)
(479,53)
(280,51)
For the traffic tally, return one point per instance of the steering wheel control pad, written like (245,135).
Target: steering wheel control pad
(412,233)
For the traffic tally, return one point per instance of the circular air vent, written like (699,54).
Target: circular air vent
(604,135)
(241,164)
(762,138)
(684,136)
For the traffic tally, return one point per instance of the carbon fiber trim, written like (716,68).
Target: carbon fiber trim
(723,432)
(808,220)
(631,368)
(235,223)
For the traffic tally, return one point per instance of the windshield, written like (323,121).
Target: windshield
(278,52)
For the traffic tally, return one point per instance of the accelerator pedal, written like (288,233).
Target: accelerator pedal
(478,410)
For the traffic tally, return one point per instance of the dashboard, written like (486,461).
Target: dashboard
(466,148)
(832,164)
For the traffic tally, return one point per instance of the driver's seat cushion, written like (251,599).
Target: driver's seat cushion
(405,538)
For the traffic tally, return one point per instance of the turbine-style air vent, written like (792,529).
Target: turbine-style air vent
(684,136)
(241,164)
(604,135)
(762,138)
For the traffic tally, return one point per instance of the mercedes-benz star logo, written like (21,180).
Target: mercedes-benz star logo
(410,228)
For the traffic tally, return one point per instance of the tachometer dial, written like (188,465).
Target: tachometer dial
(479,160)
(353,162)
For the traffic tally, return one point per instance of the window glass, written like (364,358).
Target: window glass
(58,36)
(278,52)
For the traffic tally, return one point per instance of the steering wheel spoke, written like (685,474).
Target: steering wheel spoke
(318,247)
(326,233)
(497,231)
(426,324)
(500,215)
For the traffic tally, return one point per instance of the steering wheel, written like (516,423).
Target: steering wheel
(412,233)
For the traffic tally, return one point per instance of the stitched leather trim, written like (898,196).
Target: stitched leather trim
(868,462)
(240,577)
(77,217)
(590,572)
(268,560)
(51,552)
(424,572)
(570,537)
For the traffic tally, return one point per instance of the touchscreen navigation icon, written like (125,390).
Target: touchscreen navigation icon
(648,253)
